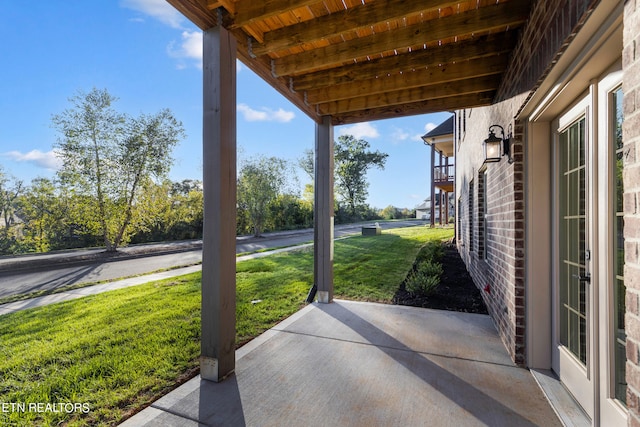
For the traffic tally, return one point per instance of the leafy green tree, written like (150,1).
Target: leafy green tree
(42,211)
(352,160)
(260,181)
(112,158)
(391,212)
(307,163)
(289,212)
(10,190)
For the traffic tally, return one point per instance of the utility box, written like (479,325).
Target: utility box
(371,230)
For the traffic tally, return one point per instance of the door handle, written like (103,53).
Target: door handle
(586,277)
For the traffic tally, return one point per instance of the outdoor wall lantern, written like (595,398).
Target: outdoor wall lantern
(495,147)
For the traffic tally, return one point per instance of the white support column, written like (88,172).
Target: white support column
(218,315)
(323,215)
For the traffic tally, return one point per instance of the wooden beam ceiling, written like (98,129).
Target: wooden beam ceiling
(361,60)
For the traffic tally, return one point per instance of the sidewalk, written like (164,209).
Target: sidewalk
(243,244)
(119,284)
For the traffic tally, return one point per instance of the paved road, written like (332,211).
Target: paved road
(51,272)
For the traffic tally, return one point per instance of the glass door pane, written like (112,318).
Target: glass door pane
(620,344)
(572,233)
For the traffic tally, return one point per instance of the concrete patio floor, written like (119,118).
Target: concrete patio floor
(364,364)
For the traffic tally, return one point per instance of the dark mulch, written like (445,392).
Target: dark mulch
(456,291)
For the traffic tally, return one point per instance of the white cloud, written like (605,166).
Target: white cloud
(190,49)
(159,9)
(360,130)
(47,160)
(427,128)
(398,136)
(265,114)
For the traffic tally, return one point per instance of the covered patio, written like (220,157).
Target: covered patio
(338,61)
(365,364)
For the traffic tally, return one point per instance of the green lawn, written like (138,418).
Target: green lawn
(120,350)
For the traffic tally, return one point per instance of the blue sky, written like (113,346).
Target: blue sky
(149,56)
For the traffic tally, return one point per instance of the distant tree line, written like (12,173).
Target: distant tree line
(113,189)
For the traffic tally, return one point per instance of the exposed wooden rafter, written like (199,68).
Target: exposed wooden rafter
(363,15)
(422,93)
(467,50)
(446,73)
(479,22)
(365,60)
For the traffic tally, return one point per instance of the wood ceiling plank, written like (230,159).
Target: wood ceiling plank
(229,5)
(478,21)
(249,11)
(469,49)
(414,108)
(446,73)
(197,12)
(434,91)
(365,15)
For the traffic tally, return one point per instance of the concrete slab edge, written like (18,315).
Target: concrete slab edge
(565,407)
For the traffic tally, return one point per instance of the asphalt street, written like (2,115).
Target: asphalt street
(21,275)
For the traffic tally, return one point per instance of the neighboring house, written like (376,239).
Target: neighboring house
(423,210)
(440,139)
(550,232)
(550,229)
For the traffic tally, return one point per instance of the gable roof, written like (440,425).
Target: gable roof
(444,128)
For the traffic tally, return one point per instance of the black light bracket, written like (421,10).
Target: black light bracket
(506,140)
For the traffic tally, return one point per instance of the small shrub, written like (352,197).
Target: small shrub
(432,251)
(425,278)
(425,275)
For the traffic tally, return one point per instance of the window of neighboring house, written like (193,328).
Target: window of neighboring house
(482,214)
(471,243)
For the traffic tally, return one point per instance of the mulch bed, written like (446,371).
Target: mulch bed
(456,291)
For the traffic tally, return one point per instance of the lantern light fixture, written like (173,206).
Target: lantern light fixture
(495,147)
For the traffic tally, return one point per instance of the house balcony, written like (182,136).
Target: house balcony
(444,177)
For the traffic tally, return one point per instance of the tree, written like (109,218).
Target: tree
(352,160)
(41,210)
(112,157)
(307,163)
(10,190)
(390,212)
(260,181)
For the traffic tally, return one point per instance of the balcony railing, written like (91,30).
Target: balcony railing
(444,173)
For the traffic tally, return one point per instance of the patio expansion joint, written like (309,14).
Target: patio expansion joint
(424,353)
(174,413)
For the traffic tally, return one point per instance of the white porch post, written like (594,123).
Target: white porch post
(218,315)
(323,215)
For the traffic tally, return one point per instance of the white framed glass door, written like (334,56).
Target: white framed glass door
(589,350)
(611,290)
(573,296)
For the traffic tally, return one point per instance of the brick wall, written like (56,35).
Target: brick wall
(631,138)
(491,234)
(538,51)
(498,268)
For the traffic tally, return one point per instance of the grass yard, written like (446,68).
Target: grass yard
(118,351)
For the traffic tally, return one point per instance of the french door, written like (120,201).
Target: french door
(588,283)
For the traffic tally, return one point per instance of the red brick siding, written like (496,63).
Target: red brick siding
(631,138)
(500,272)
(504,267)
(538,51)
